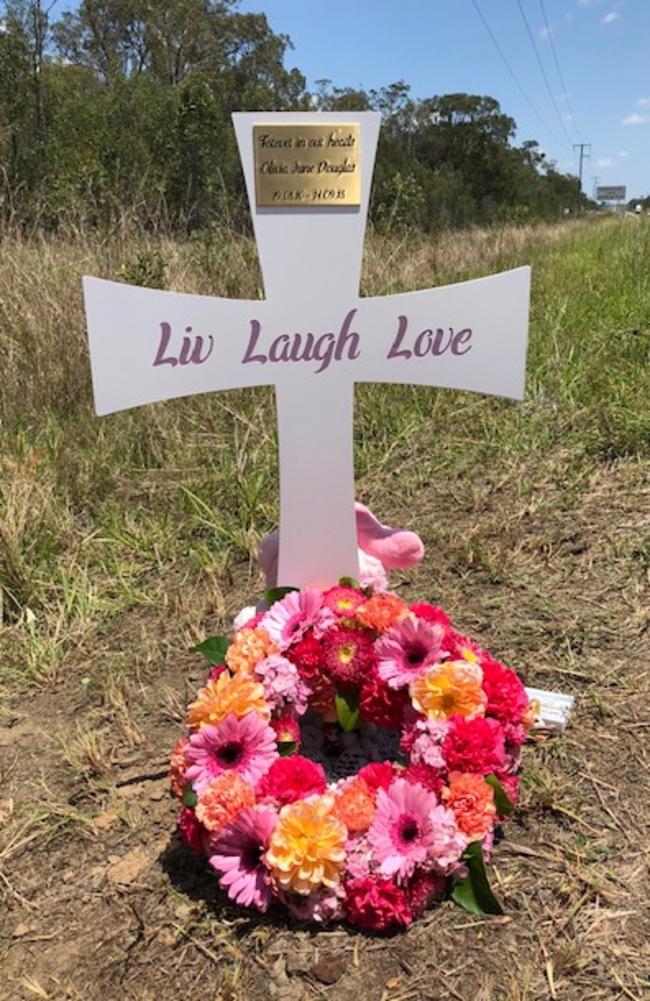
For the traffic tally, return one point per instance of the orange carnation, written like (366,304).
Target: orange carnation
(249,647)
(472,801)
(355,805)
(177,768)
(235,695)
(222,799)
(381,612)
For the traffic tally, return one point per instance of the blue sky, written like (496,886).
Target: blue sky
(441,46)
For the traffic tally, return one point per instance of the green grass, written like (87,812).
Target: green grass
(99,515)
(124,540)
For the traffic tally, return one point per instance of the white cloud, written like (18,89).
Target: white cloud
(567,118)
(605,162)
(545,33)
(643,102)
(622,153)
(635,119)
(610,18)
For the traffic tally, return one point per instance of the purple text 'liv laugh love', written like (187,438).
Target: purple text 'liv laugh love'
(324,349)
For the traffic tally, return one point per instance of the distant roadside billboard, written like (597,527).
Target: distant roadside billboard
(613,193)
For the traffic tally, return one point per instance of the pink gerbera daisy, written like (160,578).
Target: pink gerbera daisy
(410,829)
(407,649)
(238,853)
(246,746)
(402,833)
(288,620)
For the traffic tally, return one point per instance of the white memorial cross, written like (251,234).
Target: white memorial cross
(311,338)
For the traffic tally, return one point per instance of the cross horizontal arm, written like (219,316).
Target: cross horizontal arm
(466,336)
(147,345)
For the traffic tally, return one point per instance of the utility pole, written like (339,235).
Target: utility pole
(583,156)
(594,182)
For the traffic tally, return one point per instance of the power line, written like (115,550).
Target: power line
(543,71)
(514,75)
(549,35)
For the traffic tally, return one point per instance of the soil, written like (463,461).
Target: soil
(100,901)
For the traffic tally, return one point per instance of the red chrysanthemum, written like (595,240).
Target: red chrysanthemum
(507,699)
(377,775)
(215,672)
(380,704)
(190,830)
(349,656)
(461,647)
(474,745)
(376,904)
(423,888)
(287,729)
(424,775)
(308,656)
(343,601)
(430,613)
(292,778)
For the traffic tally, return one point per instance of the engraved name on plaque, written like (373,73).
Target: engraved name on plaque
(307,165)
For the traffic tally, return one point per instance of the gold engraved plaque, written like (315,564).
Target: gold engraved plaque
(311,166)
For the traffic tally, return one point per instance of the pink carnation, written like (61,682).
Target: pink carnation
(358,855)
(430,613)
(320,907)
(376,904)
(507,699)
(377,775)
(282,683)
(425,776)
(474,745)
(423,741)
(292,778)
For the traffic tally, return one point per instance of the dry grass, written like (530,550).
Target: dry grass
(123,540)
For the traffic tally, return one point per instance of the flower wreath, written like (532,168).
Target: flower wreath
(410,736)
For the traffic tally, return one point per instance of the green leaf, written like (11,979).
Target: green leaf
(276,593)
(286,748)
(347,710)
(214,648)
(501,801)
(189,796)
(349,582)
(473,892)
(462,893)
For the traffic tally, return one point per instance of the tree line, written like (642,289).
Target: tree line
(121,108)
